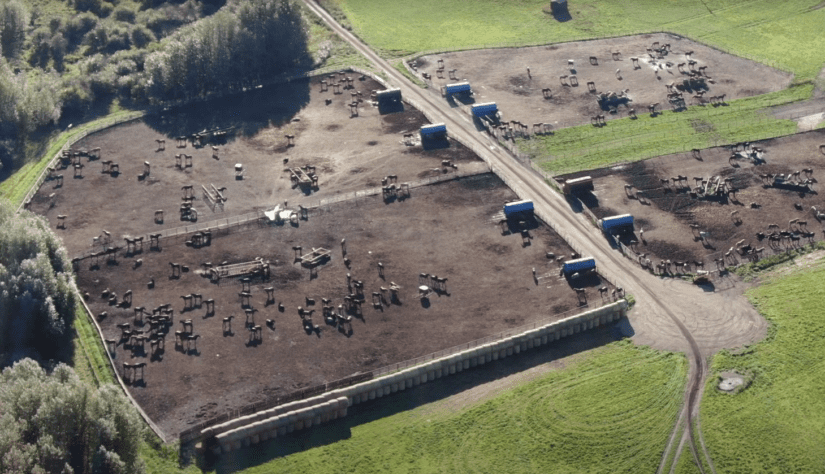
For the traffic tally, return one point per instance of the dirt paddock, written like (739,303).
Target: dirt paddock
(666,220)
(349,153)
(500,76)
(449,229)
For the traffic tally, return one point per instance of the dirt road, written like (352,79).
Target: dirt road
(669,314)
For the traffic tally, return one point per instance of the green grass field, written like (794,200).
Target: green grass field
(586,147)
(776,424)
(610,411)
(785,34)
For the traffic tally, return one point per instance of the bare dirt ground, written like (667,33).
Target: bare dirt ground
(500,76)
(350,153)
(448,229)
(666,221)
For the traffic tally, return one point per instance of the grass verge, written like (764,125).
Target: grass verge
(399,65)
(15,187)
(89,356)
(784,34)
(92,366)
(163,459)
(623,140)
(751,270)
(610,411)
(776,423)
(328,49)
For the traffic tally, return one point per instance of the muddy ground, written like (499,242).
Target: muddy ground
(350,154)
(666,220)
(450,230)
(500,76)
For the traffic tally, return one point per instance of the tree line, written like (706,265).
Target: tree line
(154,55)
(51,422)
(241,45)
(37,290)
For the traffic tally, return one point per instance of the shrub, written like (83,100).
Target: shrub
(40,47)
(141,36)
(14,20)
(55,24)
(125,14)
(100,8)
(76,95)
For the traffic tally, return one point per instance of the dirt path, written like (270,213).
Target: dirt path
(670,314)
(807,113)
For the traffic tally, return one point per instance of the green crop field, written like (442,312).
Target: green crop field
(775,424)
(787,34)
(586,147)
(611,411)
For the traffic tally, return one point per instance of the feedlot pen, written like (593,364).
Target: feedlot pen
(666,211)
(501,76)
(450,230)
(349,153)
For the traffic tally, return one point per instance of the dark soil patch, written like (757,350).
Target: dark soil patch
(671,211)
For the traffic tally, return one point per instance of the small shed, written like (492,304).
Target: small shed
(517,207)
(436,130)
(487,108)
(620,222)
(584,183)
(458,87)
(389,96)
(579,265)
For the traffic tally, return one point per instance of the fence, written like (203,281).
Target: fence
(193,432)
(143,414)
(225,225)
(236,221)
(101,126)
(473,344)
(590,37)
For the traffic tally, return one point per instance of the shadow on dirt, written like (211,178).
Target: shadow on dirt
(385,108)
(435,143)
(245,113)
(410,399)
(460,98)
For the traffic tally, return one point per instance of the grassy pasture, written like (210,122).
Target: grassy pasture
(784,34)
(775,424)
(586,147)
(610,411)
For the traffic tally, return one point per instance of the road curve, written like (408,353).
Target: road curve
(669,314)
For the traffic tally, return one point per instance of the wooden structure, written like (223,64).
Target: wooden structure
(257,267)
(213,196)
(300,177)
(316,257)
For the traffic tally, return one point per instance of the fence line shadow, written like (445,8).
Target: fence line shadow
(413,398)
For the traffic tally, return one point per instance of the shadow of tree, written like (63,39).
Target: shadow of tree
(245,113)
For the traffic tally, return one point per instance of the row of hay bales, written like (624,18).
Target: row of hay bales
(302,414)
